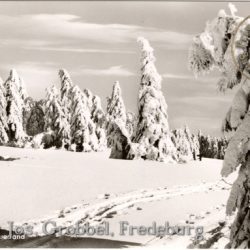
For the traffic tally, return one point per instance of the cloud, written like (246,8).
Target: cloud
(66,26)
(204,100)
(112,71)
(203,79)
(59,28)
(177,76)
(79,50)
(169,39)
(24,42)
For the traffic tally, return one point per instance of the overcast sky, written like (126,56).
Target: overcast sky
(96,43)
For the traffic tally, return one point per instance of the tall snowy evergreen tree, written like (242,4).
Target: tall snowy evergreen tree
(97,121)
(152,131)
(98,117)
(193,141)
(3,116)
(55,120)
(82,127)
(116,111)
(219,34)
(22,89)
(15,96)
(183,145)
(187,144)
(84,109)
(131,122)
(36,120)
(66,86)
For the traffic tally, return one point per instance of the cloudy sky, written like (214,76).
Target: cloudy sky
(96,43)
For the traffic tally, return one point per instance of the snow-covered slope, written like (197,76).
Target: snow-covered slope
(44,184)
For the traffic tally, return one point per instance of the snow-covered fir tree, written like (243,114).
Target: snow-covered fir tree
(98,117)
(186,143)
(89,98)
(56,122)
(22,89)
(219,42)
(116,111)
(82,127)
(212,49)
(15,96)
(131,121)
(98,120)
(152,131)
(120,141)
(36,120)
(28,102)
(3,115)
(66,86)
(193,141)
(28,106)
(182,145)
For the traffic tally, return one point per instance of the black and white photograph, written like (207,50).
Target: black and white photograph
(125,124)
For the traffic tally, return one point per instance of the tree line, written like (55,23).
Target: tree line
(73,119)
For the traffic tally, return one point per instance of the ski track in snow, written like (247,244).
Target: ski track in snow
(107,205)
(216,232)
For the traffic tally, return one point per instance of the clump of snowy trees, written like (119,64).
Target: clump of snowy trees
(70,118)
(150,137)
(73,119)
(21,116)
(187,144)
(213,48)
(212,147)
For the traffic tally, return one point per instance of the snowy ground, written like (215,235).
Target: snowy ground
(66,187)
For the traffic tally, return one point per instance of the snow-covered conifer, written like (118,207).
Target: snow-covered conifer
(98,117)
(182,145)
(82,127)
(187,145)
(152,130)
(200,59)
(22,89)
(36,121)
(212,49)
(237,118)
(116,111)
(131,121)
(66,85)
(55,120)
(121,143)
(193,141)
(15,96)
(3,116)
(97,121)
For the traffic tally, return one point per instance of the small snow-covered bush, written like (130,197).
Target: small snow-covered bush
(38,141)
